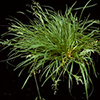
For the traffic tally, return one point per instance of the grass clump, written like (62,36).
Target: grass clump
(53,43)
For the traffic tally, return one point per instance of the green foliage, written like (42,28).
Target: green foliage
(53,43)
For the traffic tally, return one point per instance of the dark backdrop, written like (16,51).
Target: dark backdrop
(10,84)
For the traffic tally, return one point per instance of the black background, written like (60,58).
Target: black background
(10,83)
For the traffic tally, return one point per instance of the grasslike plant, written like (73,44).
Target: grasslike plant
(53,45)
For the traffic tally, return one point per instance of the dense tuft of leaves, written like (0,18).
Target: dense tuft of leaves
(53,43)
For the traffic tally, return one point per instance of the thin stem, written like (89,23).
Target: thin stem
(37,86)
